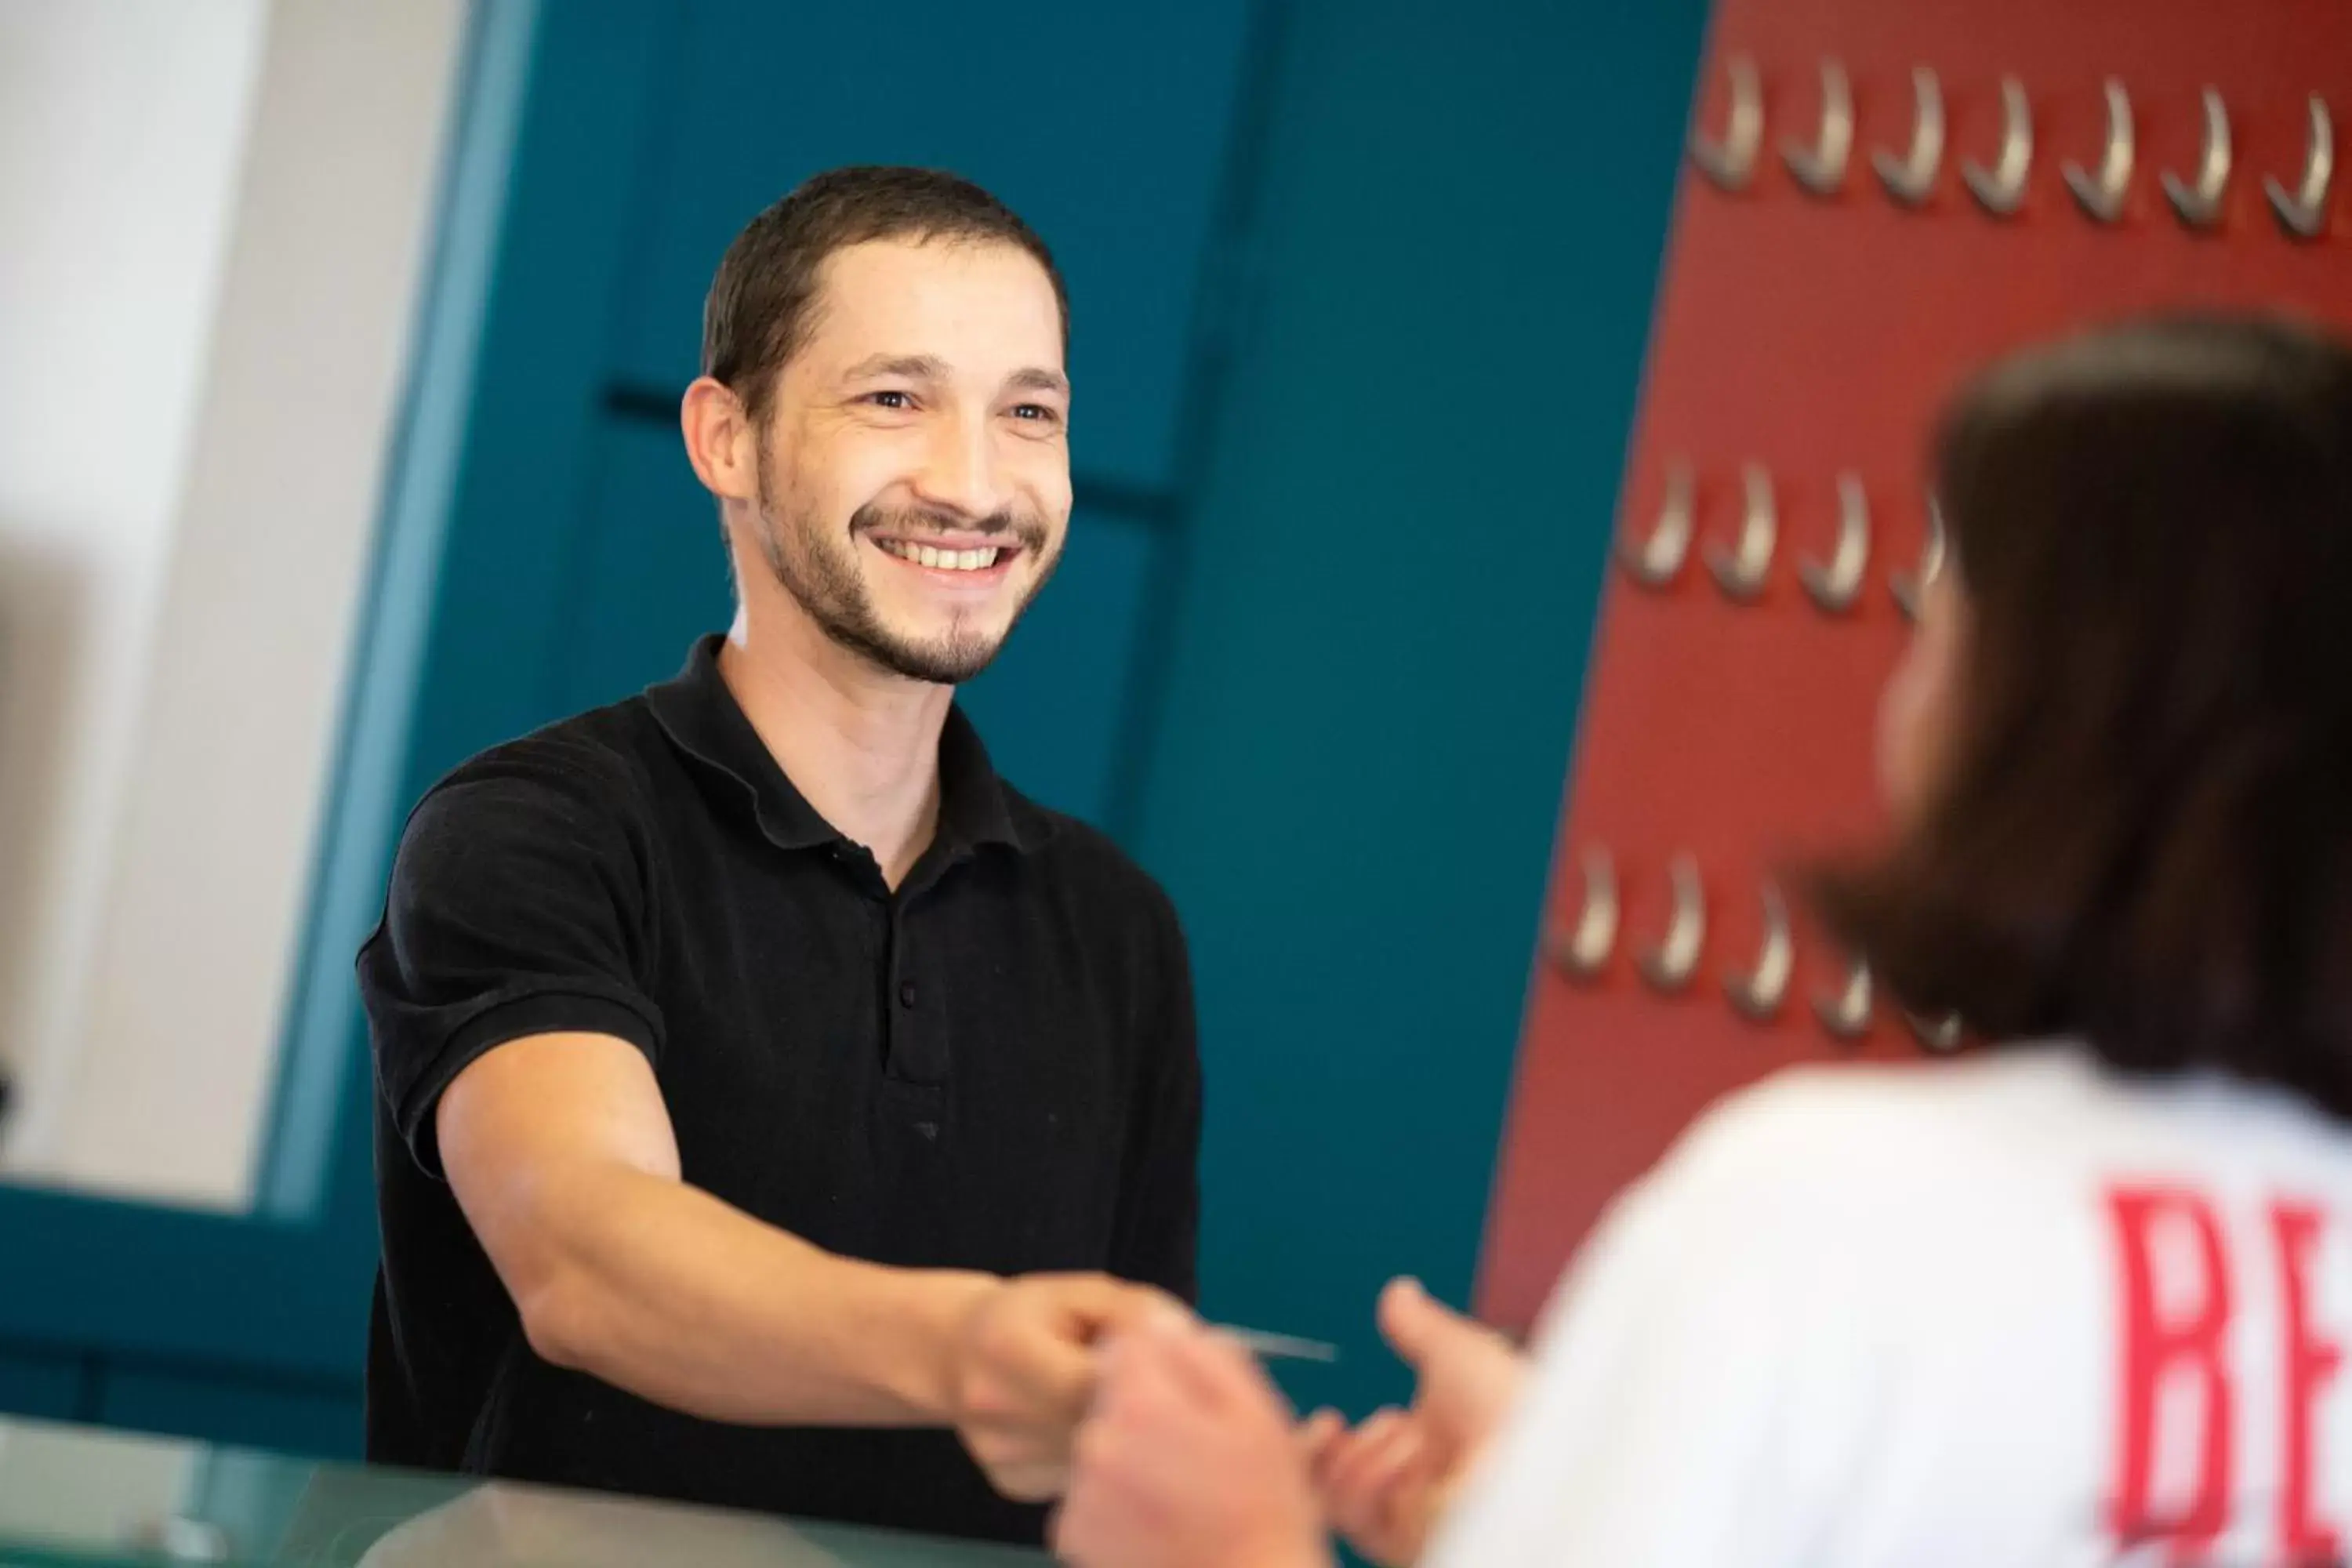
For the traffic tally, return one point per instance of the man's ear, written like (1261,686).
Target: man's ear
(719,440)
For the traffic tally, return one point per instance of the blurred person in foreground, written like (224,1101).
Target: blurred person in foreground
(762,1079)
(2082,1296)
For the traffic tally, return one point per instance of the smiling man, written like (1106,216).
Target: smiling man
(766,1087)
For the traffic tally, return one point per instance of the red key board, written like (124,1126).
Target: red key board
(1806,335)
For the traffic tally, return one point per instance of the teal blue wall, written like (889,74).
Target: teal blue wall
(1361,290)
(1377,644)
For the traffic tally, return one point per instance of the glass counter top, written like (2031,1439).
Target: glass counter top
(75,1497)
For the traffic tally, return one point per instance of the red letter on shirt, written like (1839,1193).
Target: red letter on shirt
(2154,1348)
(2310,1364)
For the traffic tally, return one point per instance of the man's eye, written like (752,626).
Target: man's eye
(890,399)
(1035,411)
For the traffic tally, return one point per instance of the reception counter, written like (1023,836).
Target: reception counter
(82,1496)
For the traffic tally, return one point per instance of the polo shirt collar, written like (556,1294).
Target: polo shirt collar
(703,719)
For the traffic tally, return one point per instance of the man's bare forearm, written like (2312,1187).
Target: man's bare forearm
(663,1290)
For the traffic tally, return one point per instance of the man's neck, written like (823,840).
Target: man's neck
(860,744)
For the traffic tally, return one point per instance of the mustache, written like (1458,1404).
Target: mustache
(913,522)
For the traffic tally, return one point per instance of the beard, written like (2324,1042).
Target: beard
(818,567)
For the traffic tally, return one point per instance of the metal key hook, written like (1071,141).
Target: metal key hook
(1911,587)
(1758,994)
(2002,188)
(2102,194)
(2200,203)
(1821,167)
(1731,162)
(2303,211)
(1836,585)
(1911,179)
(1670,965)
(1846,1014)
(1741,570)
(1655,559)
(1583,951)
(1941,1036)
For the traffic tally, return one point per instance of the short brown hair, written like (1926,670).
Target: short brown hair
(2145,837)
(757,314)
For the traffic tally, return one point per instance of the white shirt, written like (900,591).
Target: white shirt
(1963,1314)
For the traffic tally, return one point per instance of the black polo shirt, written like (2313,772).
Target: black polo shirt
(992,1068)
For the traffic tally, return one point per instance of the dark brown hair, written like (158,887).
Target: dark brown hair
(2144,835)
(758,310)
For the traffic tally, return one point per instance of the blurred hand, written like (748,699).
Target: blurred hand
(1380,1485)
(1189,1459)
(1385,1484)
(1026,1363)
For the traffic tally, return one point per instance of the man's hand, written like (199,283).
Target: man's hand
(1189,1459)
(1385,1484)
(1025,1364)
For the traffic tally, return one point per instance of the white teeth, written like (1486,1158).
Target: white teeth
(944,560)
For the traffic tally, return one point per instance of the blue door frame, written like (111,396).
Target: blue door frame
(252,1326)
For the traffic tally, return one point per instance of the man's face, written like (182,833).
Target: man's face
(915,473)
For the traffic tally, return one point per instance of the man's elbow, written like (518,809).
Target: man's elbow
(562,1321)
(545,1227)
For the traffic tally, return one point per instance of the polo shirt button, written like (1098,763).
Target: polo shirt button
(907,995)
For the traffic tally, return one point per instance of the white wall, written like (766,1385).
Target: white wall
(231,203)
(121,129)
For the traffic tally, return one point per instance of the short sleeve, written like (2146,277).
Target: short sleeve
(1699,1384)
(517,907)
